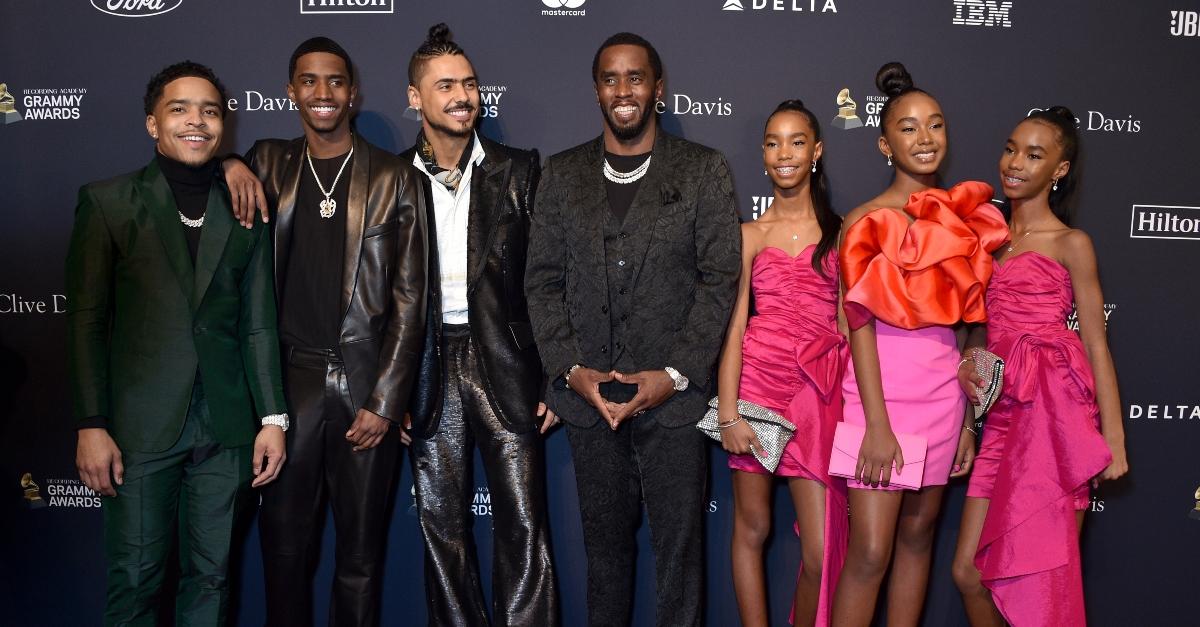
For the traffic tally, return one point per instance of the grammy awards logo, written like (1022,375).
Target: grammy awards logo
(33,493)
(847,118)
(8,106)
(1195,513)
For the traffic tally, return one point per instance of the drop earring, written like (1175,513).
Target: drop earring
(814,168)
(1055,186)
(889,161)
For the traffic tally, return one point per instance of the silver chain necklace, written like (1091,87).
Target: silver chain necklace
(195,224)
(329,205)
(625,178)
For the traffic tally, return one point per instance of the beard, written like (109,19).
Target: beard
(452,131)
(626,133)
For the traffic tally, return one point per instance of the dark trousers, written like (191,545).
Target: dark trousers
(617,470)
(321,465)
(523,588)
(194,490)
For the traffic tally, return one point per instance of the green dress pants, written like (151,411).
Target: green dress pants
(189,497)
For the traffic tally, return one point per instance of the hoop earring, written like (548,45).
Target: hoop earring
(889,161)
(1055,186)
(814,168)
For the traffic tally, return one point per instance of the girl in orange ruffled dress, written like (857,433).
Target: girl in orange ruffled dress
(915,263)
(1057,424)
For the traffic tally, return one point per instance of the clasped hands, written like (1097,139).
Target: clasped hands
(654,387)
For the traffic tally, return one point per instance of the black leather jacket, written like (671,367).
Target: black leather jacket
(502,189)
(384,272)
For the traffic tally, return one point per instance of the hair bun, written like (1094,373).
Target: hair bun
(438,34)
(893,79)
(791,103)
(1062,112)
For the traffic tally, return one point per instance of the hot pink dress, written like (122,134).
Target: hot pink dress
(1036,473)
(793,357)
(914,276)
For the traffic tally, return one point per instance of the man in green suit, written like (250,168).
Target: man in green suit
(174,358)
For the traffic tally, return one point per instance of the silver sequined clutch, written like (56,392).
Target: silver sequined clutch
(773,430)
(990,368)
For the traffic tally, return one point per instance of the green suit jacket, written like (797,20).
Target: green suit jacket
(141,320)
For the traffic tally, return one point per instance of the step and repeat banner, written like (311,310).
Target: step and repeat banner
(74,72)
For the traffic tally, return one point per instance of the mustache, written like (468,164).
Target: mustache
(462,104)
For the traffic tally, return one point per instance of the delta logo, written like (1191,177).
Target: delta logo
(793,6)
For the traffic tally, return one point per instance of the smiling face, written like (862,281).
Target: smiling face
(789,149)
(915,134)
(626,89)
(187,121)
(447,95)
(322,90)
(1032,160)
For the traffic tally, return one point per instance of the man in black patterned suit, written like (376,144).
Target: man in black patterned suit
(633,265)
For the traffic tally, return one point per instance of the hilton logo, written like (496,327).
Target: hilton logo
(1164,222)
(346,6)
(982,13)
(1185,23)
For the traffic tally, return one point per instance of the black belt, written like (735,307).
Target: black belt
(456,330)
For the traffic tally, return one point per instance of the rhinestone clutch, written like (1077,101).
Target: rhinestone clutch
(990,368)
(772,429)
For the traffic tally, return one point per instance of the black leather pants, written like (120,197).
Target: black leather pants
(666,467)
(320,465)
(522,573)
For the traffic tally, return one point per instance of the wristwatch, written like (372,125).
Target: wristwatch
(681,382)
(278,420)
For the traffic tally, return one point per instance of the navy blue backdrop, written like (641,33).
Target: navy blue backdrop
(77,69)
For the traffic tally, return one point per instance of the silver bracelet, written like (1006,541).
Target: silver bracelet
(278,420)
(726,425)
(571,371)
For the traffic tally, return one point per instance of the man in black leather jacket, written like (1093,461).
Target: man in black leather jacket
(349,231)
(481,377)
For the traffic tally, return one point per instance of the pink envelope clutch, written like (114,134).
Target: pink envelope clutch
(847,439)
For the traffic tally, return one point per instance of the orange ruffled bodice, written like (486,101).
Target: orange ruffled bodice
(931,271)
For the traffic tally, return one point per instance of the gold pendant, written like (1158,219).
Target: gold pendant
(328,207)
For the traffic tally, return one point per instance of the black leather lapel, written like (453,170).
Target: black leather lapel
(285,214)
(487,186)
(356,215)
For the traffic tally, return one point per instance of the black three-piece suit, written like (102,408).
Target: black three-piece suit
(373,366)
(480,385)
(651,291)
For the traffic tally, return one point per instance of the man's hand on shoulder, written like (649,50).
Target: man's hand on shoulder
(270,449)
(98,460)
(245,191)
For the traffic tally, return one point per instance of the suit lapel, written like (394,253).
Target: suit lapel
(593,210)
(488,181)
(285,211)
(653,192)
(356,215)
(156,194)
(218,222)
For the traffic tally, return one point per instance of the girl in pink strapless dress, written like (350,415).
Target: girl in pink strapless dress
(915,263)
(788,357)
(1044,441)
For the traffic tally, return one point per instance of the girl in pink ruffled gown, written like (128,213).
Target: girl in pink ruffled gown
(789,358)
(1056,427)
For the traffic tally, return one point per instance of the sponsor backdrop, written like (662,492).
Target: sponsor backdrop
(74,73)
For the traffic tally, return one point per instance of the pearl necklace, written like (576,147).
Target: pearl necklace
(625,178)
(195,224)
(329,205)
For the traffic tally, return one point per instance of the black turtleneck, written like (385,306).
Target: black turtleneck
(620,195)
(190,185)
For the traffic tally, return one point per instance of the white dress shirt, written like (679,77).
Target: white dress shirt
(451,210)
